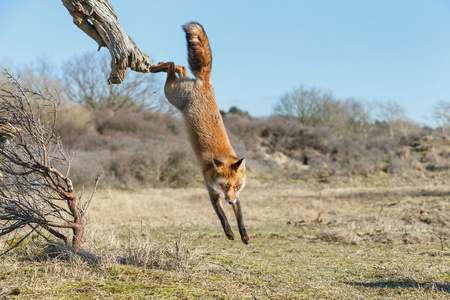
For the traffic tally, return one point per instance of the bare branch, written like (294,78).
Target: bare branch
(35,188)
(85,207)
(98,20)
(21,240)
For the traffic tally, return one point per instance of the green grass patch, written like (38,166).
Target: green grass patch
(373,243)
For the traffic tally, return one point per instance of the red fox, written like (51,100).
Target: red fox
(223,172)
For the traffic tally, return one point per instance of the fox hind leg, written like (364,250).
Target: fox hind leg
(167,67)
(171,69)
(181,71)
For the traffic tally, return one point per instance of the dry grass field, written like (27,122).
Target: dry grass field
(339,204)
(376,239)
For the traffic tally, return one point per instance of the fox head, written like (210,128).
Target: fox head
(227,178)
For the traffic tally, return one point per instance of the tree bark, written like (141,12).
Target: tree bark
(98,20)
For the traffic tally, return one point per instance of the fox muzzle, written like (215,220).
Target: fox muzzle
(230,201)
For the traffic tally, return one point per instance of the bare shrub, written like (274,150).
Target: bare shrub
(292,146)
(433,160)
(146,124)
(36,192)
(155,166)
(133,169)
(136,150)
(84,166)
(441,114)
(180,169)
(282,146)
(74,124)
(311,106)
(122,121)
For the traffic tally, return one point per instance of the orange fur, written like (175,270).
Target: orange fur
(224,173)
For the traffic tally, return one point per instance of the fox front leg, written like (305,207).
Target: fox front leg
(240,220)
(217,204)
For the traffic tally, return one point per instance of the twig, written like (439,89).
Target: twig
(442,241)
(87,204)
(21,240)
(225,267)
(320,209)
(381,210)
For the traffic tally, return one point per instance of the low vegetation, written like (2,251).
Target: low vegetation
(150,149)
(375,240)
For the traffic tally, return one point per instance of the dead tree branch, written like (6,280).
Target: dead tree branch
(98,20)
(35,189)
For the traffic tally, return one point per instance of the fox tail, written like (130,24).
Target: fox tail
(199,51)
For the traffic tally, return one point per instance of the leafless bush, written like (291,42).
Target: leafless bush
(143,124)
(137,150)
(36,192)
(155,166)
(441,113)
(285,147)
(75,125)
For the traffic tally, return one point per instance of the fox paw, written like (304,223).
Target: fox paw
(230,235)
(245,239)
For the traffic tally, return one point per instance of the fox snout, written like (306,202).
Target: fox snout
(230,202)
(230,192)
(230,199)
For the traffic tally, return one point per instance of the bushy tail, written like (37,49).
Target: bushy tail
(199,52)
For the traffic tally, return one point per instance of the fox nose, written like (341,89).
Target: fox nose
(230,201)
(230,198)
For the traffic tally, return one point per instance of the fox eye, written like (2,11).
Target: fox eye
(224,186)
(237,187)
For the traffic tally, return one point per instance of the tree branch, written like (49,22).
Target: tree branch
(98,20)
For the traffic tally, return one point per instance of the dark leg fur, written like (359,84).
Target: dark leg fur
(240,220)
(217,204)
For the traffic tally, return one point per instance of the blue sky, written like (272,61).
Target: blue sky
(368,50)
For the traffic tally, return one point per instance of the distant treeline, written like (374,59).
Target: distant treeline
(131,133)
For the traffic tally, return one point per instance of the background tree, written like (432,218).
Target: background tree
(234,110)
(315,107)
(39,75)
(360,115)
(83,82)
(308,105)
(393,113)
(441,114)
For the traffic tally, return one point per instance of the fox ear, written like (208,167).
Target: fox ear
(217,164)
(239,166)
